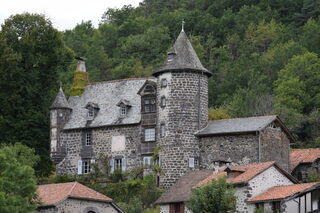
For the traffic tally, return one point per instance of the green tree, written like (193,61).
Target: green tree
(217,197)
(17,179)
(32,55)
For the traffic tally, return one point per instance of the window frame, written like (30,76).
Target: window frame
(118,164)
(162,130)
(163,101)
(123,110)
(86,166)
(88,138)
(151,105)
(90,113)
(148,137)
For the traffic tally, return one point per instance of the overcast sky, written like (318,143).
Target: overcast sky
(64,14)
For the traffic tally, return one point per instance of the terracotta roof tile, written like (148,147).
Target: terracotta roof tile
(52,193)
(303,156)
(248,172)
(281,192)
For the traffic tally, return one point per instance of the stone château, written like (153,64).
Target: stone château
(127,119)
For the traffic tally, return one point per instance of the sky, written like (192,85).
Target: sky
(64,14)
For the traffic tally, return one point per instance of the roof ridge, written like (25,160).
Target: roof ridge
(118,80)
(243,118)
(72,188)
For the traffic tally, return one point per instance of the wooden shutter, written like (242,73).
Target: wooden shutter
(79,167)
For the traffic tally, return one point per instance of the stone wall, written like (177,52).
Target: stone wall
(185,112)
(80,206)
(261,183)
(275,146)
(238,149)
(306,170)
(101,144)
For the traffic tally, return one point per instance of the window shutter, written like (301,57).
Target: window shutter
(191,162)
(79,167)
(124,164)
(112,165)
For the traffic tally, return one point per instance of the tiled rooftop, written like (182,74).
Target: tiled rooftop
(52,193)
(303,156)
(280,192)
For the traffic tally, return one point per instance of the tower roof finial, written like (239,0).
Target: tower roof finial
(182,25)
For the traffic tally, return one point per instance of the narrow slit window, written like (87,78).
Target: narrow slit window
(162,130)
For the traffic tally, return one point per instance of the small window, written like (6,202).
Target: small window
(118,164)
(88,139)
(86,166)
(149,134)
(163,101)
(123,109)
(147,161)
(90,113)
(164,82)
(149,89)
(191,163)
(170,57)
(162,130)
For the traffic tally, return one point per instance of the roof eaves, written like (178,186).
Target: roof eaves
(226,133)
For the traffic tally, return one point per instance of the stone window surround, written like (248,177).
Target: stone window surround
(91,209)
(162,130)
(164,82)
(163,101)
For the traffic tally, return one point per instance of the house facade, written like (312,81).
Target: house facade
(258,186)
(73,197)
(123,121)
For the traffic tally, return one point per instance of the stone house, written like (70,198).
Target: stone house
(263,185)
(305,162)
(73,197)
(127,119)
(297,198)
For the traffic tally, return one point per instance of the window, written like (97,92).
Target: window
(86,166)
(90,113)
(149,89)
(149,104)
(163,101)
(164,82)
(88,139)
(147,160)
(276,206)
(162,130)
(194,162)
(118,164)
(149,134)
(123,109)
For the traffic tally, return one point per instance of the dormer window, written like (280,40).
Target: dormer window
(123,110)
(90,114)
(123,105)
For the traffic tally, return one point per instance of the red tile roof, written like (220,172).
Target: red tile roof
(281,192)
(52,193)
(247,172)
(303,156)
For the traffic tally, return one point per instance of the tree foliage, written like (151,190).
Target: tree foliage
(32,54)
(17,179)
(217,197)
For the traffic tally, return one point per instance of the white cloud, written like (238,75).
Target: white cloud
(64,14)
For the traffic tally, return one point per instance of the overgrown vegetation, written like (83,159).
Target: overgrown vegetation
(216,197)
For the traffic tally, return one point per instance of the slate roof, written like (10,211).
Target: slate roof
(241,125)
(52,194)
(300,156)
(281,192)
(60,101)
(183,57)
(107,95)
(181,191)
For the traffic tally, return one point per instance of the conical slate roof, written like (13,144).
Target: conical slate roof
(182,57)
(60,101)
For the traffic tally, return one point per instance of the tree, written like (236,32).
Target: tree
(217,197)
(32,54)
(17,179)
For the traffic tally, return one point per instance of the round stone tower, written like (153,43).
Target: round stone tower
(182,94)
